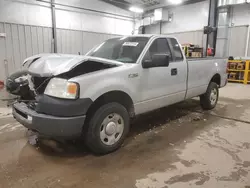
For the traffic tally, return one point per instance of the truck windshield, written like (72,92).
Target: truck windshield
(124,49)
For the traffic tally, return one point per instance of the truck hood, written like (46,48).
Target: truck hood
(47,65)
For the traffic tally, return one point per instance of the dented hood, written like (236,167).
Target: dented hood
(46,65)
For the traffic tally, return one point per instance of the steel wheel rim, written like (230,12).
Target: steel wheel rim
(213,96)
(111,129)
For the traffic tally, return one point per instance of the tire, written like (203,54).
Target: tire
(209,99)
(101,135)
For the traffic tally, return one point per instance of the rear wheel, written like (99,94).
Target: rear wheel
(107,128)
(209,100)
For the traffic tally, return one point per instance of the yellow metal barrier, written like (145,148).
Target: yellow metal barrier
(239,71)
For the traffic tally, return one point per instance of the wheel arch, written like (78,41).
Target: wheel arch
(118,96)
(216,79)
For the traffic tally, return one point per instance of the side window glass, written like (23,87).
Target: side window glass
(176,49)
(159,46)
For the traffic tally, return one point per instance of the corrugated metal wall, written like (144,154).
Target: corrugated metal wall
(72,41)
(152,29)
(237,38)
(194,37)
(248,53)
(22,41)
(237,41)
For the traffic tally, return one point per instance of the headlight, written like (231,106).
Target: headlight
(61,88)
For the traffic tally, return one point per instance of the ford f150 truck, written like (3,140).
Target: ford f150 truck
(95,96)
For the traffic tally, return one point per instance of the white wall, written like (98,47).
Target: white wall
(95,5)
(241,15)
(93,22)
(25,12)
(187,18)
(194,17)
(187,23)
(31,12)
(88,21)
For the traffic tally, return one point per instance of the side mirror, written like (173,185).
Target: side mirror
(158,60)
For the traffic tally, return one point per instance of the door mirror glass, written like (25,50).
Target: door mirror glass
(158,60)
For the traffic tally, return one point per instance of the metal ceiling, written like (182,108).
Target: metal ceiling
(145,4)
(125,4)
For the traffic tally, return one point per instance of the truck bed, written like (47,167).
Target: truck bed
(203,58)
(200,72)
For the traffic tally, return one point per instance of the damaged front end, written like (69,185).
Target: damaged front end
(26,86)
(49,102)
(38,70)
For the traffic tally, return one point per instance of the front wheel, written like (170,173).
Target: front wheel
(107,128)
(209,100)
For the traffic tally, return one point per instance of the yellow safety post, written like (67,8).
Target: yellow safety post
(185,49)
(246,72)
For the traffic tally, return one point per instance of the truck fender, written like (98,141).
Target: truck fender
(102,87)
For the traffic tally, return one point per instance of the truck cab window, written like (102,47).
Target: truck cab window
(176,49)
(122,49)
(159,46)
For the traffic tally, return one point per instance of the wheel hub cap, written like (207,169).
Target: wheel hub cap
(110,128)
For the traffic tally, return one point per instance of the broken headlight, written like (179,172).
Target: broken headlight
(61,88)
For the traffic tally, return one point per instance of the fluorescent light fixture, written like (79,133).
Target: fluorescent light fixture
(175,2)
(136,9)
(158,14)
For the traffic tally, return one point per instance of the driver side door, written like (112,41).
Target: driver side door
(159,85)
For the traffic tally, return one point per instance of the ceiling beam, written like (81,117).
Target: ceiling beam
(118,3)
(166,4)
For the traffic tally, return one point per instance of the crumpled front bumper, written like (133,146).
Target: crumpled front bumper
(48,125)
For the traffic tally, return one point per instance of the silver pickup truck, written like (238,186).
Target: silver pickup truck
(94,96)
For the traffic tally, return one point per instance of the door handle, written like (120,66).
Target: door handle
(174,72)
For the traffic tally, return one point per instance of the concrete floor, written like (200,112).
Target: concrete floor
(178,146)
